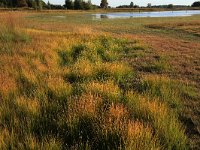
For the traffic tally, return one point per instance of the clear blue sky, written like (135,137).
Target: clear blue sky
(114,3)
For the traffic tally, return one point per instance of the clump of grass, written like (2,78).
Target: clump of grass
(188,91)
(77,50)
(26,85)
(115,69)
(163,121)
(159,65)
(58,88)
(163,88)
(8,85)
(9,141)
(82,70)
(65,58)
(107,55)
(111,49)
(31,105)
(108,89)
(141,137)
(121,73)
(138,47)
(86,104)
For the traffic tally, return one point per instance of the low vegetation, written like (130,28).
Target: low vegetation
(74,90)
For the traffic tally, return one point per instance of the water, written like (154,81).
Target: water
(147,14)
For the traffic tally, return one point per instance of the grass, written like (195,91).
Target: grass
(74,84)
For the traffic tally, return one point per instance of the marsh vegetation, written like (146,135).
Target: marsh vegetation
(78,83)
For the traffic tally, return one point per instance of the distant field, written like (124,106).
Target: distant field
(71,81)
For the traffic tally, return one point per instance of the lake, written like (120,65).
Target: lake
(147,14)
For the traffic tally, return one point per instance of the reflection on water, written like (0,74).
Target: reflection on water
(103,16)
(147,14)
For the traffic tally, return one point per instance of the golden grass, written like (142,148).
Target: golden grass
(87,104)
(32,105)
(7,84)
(141,137)
(80,103)
(114,68)
(108,88)
(58,86)
(83,68)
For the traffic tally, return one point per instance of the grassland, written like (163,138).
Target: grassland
(73,82)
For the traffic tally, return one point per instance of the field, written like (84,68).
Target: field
(70,81)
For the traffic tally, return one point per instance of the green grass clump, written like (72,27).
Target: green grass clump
(163,121)
(163,88)
(108,89)
(12,35)
(80,71)
(65,58)
(159,65)
(188,91)
(26,86)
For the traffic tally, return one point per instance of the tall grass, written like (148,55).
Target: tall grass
(80,95)
(11,28)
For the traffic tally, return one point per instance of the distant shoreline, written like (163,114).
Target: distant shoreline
(105,10)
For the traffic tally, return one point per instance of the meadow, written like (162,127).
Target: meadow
(70,81)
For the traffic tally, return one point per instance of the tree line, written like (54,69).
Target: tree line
(39,4)
(149,5)
(77,4)
(82,4)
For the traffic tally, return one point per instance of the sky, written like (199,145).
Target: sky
(114,3)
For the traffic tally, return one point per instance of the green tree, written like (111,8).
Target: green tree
(38,4)
(48,5)
(87,5)
(149,5)
(78,4)
(8,3)
(104,4)
(29,3)
(33,4)
(170,6)
(196,4)
(69,4)
(22,3)
(131,5)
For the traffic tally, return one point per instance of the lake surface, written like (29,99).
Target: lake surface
(147,14)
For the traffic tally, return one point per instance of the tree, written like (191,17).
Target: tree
(196,4)
(69,4)
(149,5)
(78,4)
(104,4)
(131,5)
(170,6)
(22,3)
(30,3)
(48,5)
(8,3)
(38,4)
(34,4)
(87,5)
